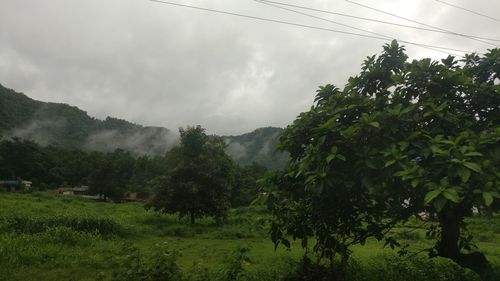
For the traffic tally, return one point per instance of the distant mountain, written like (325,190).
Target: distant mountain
(258,147)
(68,126)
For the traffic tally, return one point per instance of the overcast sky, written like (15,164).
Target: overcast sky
(161,65)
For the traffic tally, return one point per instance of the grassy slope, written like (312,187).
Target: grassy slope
(47,256)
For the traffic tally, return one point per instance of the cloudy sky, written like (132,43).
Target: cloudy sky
(163,65)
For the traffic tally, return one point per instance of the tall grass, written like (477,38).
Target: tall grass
(48,237)
(29,224)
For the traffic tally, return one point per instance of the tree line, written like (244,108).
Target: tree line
(113,174)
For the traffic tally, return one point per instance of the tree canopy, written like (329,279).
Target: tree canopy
(402,138)
(199,178)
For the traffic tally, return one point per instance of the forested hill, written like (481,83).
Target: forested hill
(68,126)
(258,146)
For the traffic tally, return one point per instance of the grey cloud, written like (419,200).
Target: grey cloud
(39,130)
(148,141)
(159,65)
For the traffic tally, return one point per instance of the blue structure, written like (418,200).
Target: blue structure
(15,185)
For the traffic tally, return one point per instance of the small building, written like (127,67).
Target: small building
(130,197)
(16,185)
(82,190)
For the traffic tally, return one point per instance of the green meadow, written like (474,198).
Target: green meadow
(51,237)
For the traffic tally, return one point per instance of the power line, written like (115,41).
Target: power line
(290,23)
(380,21)
(350,26)
(468,10)
(414,21)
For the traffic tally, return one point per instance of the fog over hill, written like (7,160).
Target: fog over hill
(68,126)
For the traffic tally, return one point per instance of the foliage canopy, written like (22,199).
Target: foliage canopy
(400,139)
(199,177)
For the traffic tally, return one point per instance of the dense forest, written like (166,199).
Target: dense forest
(112,174)
(68,126)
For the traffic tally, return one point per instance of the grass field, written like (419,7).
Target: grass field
(50,237)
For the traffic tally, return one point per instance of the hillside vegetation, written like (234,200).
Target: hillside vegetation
(258,147)
(68,126)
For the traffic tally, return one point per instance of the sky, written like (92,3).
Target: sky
(161,65)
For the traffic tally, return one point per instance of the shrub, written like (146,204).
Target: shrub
(409,235)
(179,231)
(416,268)
(234,265)
(68,236)
(160,266)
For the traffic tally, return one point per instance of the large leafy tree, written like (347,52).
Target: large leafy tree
(400,139)
(198,179)
(111,173)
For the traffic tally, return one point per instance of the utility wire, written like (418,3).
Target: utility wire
(350,26)
(414,21)
(381,21)
(468,10)
(290,23)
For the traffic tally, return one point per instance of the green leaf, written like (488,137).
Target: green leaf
(260,200)
(488,198)
(330,158)
(464,174)
(334,149)
(375,124)
(451,194)
(439,203)
(403,145)
(473,166)
(349,132)
(370,164)
(397,78)
(472,154)
(414,183)
(431,195)
(390,162)
(401,173)
(341,157)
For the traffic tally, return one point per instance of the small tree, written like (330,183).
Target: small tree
(401,138)
(245,188)
(199,177)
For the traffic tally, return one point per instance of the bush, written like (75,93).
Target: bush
(179,231)
(68,236)
(234,266)
(416,268)
(160,266)
(409,235)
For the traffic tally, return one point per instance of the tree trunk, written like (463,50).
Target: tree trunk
(450,234)
(192,218)
(448,245)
